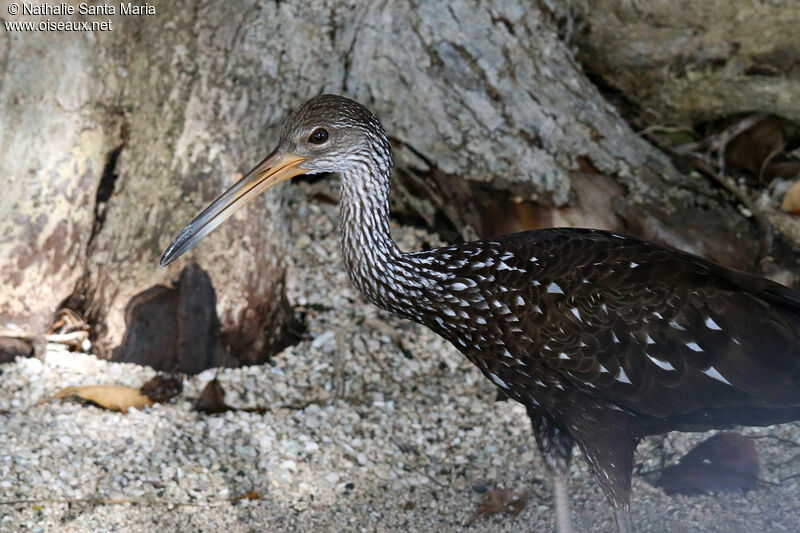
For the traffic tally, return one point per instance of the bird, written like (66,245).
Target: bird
(603,337)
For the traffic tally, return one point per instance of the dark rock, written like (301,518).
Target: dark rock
(12,347)
(726,462)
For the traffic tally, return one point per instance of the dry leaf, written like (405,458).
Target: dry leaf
(791,200)
(755,146)
(783,169)
(726,462)
(500,501)
(113,397)
(251,495)
(212,399)
(162,389)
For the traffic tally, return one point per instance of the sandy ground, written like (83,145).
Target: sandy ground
(373,424)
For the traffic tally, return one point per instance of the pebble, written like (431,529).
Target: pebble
(322,340)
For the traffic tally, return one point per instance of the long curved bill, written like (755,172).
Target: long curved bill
(276,168)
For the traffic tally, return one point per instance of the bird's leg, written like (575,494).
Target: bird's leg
(556,447)
(623,518)
(561,500)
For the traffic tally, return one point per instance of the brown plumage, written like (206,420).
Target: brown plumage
(604,338)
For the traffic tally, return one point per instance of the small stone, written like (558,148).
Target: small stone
(322,340)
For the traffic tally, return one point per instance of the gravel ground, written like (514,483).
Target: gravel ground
(373,424)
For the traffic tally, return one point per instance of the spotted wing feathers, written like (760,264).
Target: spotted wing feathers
(651,329)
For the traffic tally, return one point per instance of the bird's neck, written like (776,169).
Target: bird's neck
(374,263)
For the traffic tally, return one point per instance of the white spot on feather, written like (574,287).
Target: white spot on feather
(563,355)
(677,326)
(710,324)
(714,374)
(577,313)
(694,346)
(661,364)
(649,340)
(554,288)
(497,380)
(622,377)
(634,264)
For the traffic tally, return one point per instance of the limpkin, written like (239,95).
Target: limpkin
(603,337)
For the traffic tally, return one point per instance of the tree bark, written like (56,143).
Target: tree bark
(699,62)
(113,141)
(145,126)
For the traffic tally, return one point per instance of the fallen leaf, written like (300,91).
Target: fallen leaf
(783,169)
(113,397)
(500,501)
(755,146)
(726,462)
(212,399)
(251,495)
(162,389)
(791,200)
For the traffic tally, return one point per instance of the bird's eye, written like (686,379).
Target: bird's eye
(318,136)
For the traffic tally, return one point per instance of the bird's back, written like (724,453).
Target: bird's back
(661,333)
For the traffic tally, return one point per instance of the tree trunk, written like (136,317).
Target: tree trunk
(145,126)
(113,141)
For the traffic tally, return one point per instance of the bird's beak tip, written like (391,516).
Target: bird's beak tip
(276,168)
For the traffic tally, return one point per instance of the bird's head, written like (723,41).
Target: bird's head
(329,133)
